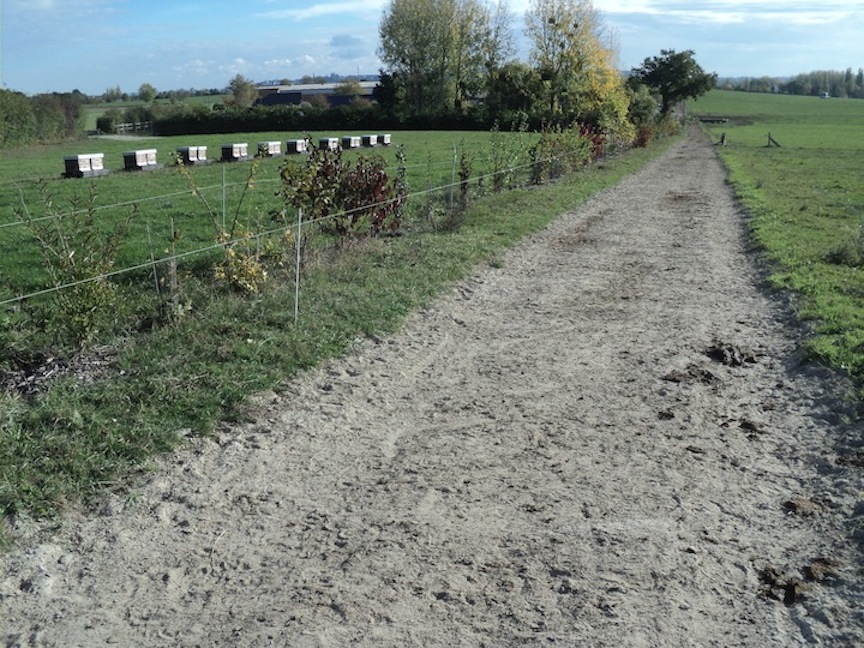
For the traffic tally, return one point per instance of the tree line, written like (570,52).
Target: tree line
(836,83)
(456,56)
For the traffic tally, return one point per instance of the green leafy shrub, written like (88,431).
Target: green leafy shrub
(348,201)
(506,154)
(79,253)
(107,123)
(241,266)
(561,150)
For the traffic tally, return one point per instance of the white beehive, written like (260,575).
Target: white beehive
(296,146)
(328,143)
(384,139)
(235,152)
(140,160)
(270,149)
(370,140)
(350,142)
(84,165)
(192,154)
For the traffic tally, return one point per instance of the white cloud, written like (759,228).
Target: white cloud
(780,12)
(328,9)
(237,66)
(68,7)
(278,63)
(196,67)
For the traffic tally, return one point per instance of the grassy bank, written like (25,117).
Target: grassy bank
(80,437)
(806,198)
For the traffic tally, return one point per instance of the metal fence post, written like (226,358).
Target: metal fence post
(297,267)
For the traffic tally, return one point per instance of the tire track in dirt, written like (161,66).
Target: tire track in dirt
(547,455)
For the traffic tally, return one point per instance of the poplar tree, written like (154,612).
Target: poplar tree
(440,52)
(410,33)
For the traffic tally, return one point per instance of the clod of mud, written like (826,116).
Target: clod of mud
(803,507)
(855,459)
(753,427)
(692,373)
(821,569)
(729,354)
(791,589)
(778,587)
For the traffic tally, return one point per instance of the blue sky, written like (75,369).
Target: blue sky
(91,45)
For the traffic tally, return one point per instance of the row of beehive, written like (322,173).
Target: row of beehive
(92,164)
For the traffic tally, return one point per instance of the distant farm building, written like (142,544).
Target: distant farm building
(294,95)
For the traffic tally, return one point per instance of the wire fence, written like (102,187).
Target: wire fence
(298,228)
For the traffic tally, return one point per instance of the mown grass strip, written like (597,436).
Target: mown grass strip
(77,438)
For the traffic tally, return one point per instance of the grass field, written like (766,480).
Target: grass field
(806,198)
(163,197)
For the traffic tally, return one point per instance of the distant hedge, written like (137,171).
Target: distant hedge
(195,121)
(42,118)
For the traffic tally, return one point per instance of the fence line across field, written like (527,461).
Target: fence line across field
(154,263)
(223,186)
(131,203)
(35,179)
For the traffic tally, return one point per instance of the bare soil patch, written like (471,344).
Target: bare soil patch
(610,440)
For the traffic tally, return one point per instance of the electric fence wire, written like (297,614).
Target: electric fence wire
(257,236)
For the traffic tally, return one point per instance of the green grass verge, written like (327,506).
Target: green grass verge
(806,200)
(79,438)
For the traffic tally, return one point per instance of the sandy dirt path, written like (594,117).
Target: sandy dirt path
(607,441)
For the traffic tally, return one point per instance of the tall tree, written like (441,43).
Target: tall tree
(513,88)
(482,43)
(498,44)
(146,93)
(674,76)
(407,43)
(112,94)
(470,23)
(577,65)
(555,29)
(440,50)
(244,90)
